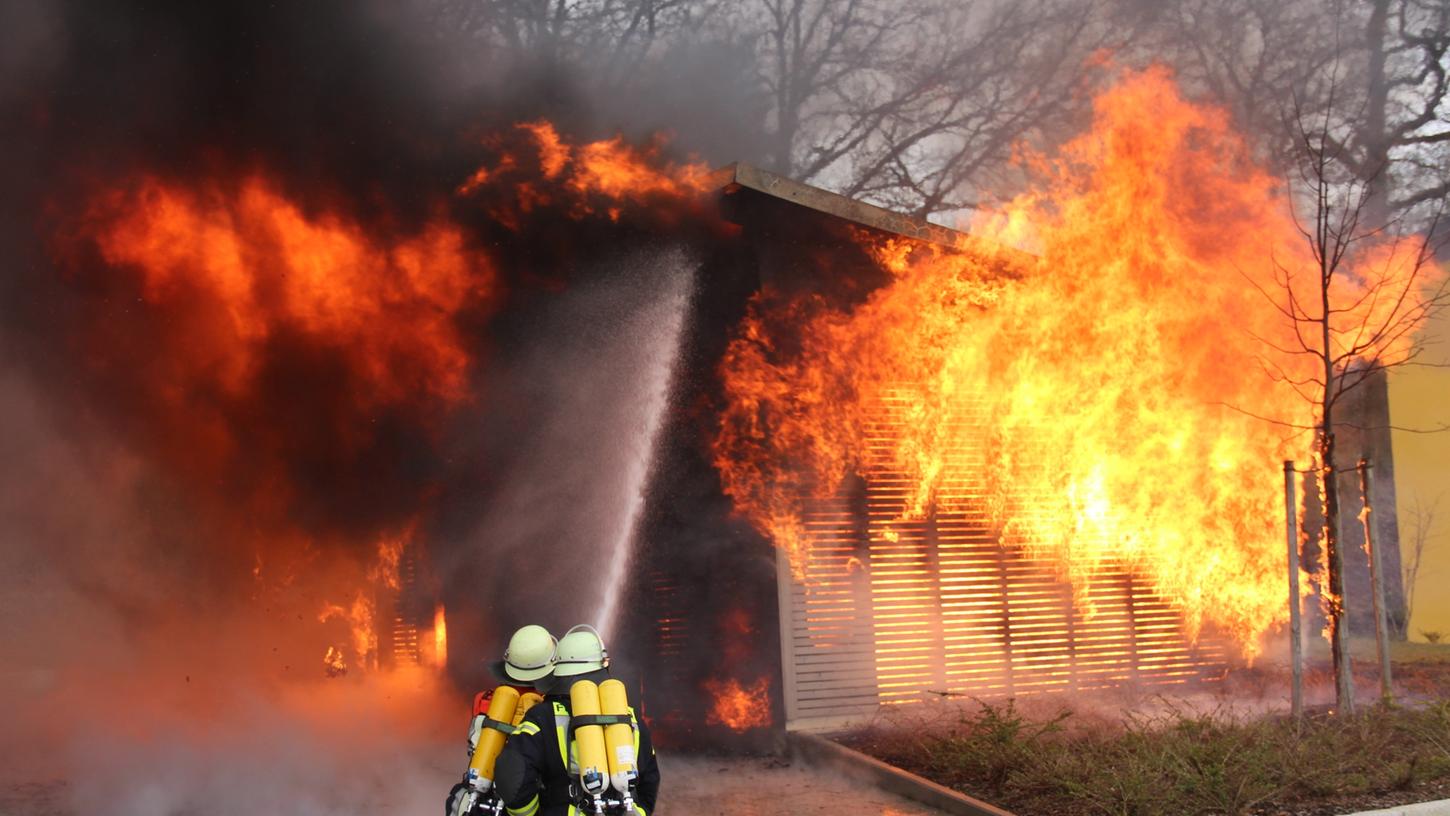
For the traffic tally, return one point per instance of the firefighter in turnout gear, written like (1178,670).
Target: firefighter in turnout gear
(528,660)
(583,751)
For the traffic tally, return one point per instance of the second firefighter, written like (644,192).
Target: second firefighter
(583,750)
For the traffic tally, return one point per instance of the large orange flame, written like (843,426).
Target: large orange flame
(384,573)
(268,267)
(540,168)
(360,616)
(440,637)
(581,179)
(1115,380)
(287,351)
(237,278)
(234,270)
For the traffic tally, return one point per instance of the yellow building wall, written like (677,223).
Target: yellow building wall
(1420,398)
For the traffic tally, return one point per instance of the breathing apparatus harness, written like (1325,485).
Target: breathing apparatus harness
(599,750)
(490,728)
(597,733)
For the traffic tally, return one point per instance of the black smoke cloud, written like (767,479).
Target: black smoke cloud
(334,102)
(361,110)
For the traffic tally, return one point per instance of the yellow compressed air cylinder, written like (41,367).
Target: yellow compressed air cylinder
(490,741)
(593,766)
(619,737)
(526,702)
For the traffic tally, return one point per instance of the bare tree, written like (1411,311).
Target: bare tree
(1399,146)
(1390,123)
(1247,55)
(918,104)
(915,104)
(607,40)
(1353,314)
(822,64)
(1422,521)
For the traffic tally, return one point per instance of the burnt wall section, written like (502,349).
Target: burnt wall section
(702,610)
(697,570)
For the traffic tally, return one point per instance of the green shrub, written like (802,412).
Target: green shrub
(987,746)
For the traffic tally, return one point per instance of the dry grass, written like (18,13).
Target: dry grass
(1174,761)
(1403,652)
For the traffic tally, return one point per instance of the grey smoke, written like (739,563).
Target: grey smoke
(597,371)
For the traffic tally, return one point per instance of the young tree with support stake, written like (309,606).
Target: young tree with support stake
(1354,309)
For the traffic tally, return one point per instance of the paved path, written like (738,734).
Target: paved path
(1440,808)
(698,786)
(693,787)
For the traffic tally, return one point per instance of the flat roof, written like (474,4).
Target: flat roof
(748,176)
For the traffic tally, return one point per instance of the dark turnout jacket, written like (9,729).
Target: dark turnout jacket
(531,773)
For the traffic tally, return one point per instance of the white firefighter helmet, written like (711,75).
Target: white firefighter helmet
(581,651)
(529,657)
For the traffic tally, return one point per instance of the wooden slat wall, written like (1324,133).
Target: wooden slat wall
(826,621)
(667,674)
(402,628)
(892,611)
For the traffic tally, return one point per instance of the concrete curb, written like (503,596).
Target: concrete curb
(817,751)
(1439,808)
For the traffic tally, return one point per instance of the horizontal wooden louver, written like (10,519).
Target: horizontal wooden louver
(401,626)
(890,611)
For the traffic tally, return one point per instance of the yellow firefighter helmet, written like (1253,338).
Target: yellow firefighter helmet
(529,657)
(580,651)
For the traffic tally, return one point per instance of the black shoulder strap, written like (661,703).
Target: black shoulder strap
(576,723)
(497,725)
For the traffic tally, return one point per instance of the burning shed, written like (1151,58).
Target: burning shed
(881,598)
